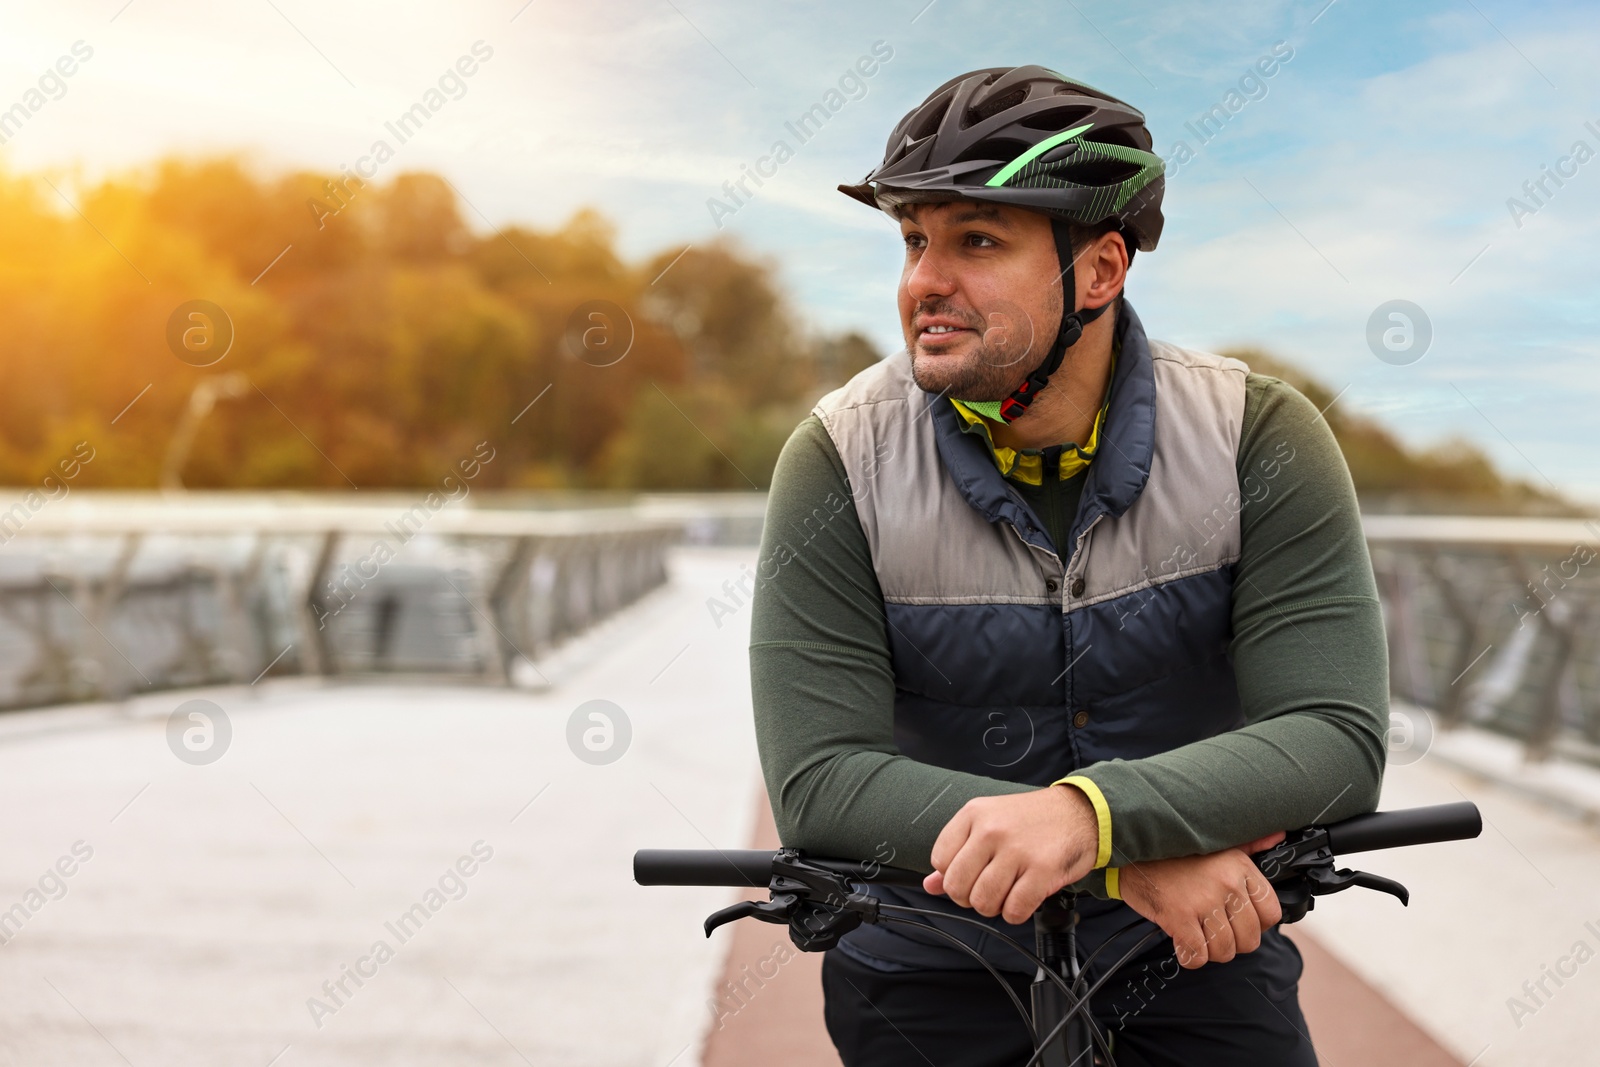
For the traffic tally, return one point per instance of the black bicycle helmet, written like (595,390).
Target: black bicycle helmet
(1030,138)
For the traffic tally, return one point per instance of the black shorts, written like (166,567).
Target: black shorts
(1244,1013)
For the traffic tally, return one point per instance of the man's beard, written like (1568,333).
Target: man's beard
(996,368)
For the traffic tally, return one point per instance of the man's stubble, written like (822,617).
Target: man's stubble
(1001,362)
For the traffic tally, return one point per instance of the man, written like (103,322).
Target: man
(1045,603)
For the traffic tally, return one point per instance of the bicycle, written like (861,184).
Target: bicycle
(815,898)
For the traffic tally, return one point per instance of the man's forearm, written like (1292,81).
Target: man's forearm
(1215,794)
(836,784)
(1309,657)
(835,790)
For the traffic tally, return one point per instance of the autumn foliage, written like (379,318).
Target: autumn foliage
(377,337)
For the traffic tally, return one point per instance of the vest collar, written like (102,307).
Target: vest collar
(1122,462)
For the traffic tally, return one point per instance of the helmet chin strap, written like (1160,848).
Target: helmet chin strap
(1016,405)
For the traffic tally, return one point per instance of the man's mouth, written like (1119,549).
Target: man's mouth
(940,333)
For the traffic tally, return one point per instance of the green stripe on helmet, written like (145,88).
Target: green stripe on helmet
(1107,199)
(1035,152)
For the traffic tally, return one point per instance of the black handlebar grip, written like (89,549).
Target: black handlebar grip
(747,867)
(1408,826)
(705,866)
(869,872)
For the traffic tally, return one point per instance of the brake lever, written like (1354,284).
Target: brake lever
(1300,869)
(777,910)
(817,904)
(1325,881)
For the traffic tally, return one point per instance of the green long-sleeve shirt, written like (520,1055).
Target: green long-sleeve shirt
(1308,652)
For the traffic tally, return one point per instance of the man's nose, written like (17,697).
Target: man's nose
(929,278)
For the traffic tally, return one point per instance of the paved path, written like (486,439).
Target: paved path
(219,899)
(1485,917)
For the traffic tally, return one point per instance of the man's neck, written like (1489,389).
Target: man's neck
(1065,410)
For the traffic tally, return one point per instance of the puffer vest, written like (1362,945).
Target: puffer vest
(1019,659)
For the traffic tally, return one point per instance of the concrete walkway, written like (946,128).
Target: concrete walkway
(222,913)
(215,901)
(1485,917)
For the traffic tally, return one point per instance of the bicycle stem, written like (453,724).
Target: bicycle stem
(1055,934)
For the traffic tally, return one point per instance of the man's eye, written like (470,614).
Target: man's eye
(913,240)
(979,240)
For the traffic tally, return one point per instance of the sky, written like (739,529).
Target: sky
(1384,160)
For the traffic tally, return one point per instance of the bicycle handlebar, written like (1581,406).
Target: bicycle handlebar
(1408,826)
(818,900)
(752,868)
(702,866)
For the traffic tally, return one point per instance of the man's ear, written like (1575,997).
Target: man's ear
(1108,264)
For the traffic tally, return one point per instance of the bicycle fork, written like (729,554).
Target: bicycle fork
(1055,935)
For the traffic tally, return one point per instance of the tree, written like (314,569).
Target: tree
(382,338)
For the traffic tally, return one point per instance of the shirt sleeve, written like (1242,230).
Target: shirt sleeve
(1308,651)
(822,681)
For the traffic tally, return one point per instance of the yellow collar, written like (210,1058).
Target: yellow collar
(1027,465)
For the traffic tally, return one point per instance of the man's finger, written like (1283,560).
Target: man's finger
(951,838)
(933,883)
(1261,844)
(1027,893)
(1220,945)
(1246,923)
(1265,898)
(993,887)
(965,868)
(1189,945)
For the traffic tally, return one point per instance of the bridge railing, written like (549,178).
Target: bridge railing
(100,598)
(1491,622)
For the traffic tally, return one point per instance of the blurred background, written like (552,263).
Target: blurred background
(394,388)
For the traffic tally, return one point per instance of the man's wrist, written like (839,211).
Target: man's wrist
(1081,827)
(1100,824)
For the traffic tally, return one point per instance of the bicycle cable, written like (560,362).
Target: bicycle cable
(1083,1004)
(1083,974)
(1069,991)
(1034,959)
(1016,1001)
(1095,1031)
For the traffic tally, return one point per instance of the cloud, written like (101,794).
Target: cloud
(1400,181)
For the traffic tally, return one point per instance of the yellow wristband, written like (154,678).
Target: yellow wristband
(1102,814)
(1113,883)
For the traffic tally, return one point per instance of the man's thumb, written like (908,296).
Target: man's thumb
(1261,844)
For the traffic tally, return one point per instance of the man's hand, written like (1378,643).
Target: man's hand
(1004,855)
(1213,906)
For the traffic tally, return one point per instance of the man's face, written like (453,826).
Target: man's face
(980,296)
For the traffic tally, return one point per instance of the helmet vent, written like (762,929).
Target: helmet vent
(1079,89)
(1114,135)
(991,108)
(1057,118)
(1003,150)
(1100,172)
(929,125)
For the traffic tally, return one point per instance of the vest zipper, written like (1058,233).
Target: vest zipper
(1052,487)
(1077,546)
(1030,544)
